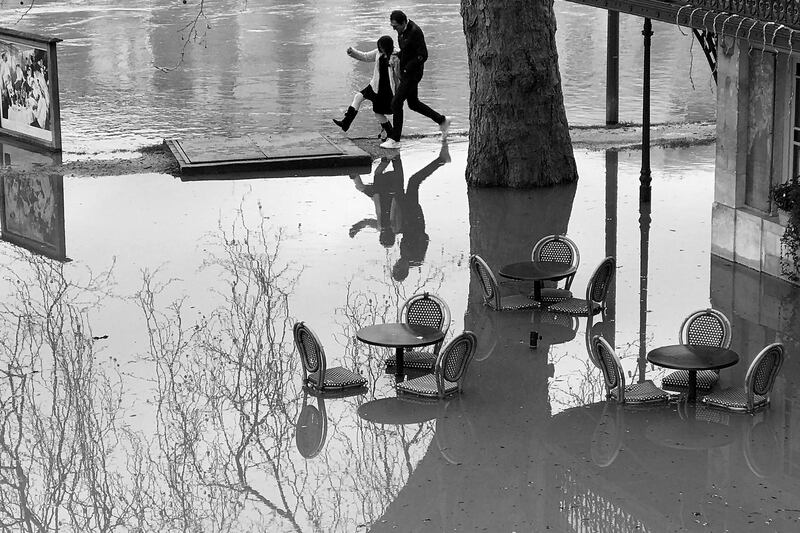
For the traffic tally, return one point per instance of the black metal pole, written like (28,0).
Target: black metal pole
(612,69)
(612,187)
(645,178)
(644,255)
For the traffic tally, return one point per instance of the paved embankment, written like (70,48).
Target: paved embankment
(157,159)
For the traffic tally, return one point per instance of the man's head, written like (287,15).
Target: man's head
(398,20)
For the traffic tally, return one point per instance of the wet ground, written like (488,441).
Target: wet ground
(152,384)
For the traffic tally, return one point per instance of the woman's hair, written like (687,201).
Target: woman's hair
(386,45)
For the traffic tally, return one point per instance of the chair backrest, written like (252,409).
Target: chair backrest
(706,327)
(454,359)
(762,372)
(427,310)
(599,283)
(611,367)
(312,355)
(487,280)
(557,248)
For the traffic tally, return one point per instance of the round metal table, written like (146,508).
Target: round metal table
(692,357)
(399,336)
(537,272)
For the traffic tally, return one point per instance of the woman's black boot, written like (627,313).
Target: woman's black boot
(349,115)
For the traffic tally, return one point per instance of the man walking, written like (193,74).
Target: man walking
(413,54)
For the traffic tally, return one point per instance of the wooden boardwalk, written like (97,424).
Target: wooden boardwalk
(268,156)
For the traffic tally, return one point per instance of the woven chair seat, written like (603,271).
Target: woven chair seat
(734,399)
(517,301)
(679,380)
(339,378)
(419,359)
(572,306)
(553,295)
(705,413)
(426,386)
(645,392)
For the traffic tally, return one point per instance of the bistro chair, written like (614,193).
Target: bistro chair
(448,374)
(316,374)
(596,293)
(558,249)
(635,393)
(500,297)
(758,383)
(705,327)
(428,310)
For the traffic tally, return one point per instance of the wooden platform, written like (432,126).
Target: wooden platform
(276,155)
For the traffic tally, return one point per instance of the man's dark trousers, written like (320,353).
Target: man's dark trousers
(407,91)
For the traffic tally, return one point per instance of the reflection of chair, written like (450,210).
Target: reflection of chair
(636,393)
(311,428)
(492,291)
(706,327)
(604,328)
(596,292)
(607,436)
(758,383)
(426,310)
(558,249)
(448,374)
(316,374)
(554,328)
(455,435)
(762,451)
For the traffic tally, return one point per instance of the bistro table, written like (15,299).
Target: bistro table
(399,336)
(692,357)
(537,272)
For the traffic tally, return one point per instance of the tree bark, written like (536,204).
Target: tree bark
(519,136)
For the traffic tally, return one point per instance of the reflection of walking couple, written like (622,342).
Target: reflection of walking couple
(395,80)
(398,210)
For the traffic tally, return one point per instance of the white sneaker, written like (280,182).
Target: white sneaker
(445,127)
(390,144)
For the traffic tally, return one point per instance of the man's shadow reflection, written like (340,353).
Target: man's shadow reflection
(397,209)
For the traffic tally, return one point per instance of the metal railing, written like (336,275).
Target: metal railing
(786,12)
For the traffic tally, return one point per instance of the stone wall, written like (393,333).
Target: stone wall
(740,232)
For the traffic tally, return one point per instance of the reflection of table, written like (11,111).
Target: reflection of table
(689,434)
(537,272)
(692,358)
(397,411)
(399,336)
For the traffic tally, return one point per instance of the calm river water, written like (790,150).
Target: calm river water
(280,65)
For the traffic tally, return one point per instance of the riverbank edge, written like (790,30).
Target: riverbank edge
(157,159)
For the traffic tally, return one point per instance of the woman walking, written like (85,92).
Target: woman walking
(380,89)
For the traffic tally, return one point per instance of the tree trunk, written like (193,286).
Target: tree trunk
(518,136)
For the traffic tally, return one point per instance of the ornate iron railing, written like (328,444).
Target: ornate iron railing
(785,12)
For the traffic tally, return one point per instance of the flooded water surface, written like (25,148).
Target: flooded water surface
(150,380)
(155,374)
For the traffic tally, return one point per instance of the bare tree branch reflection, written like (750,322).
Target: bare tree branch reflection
(61,411)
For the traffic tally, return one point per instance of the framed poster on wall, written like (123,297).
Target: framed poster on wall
(29,89)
